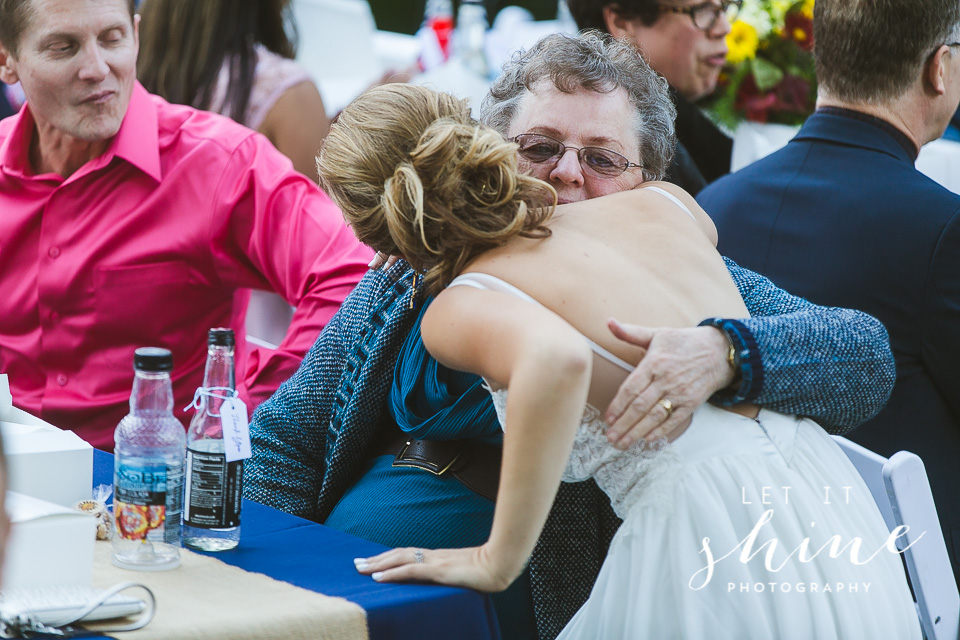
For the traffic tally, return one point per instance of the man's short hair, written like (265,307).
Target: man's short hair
(588,14)
(16,14)
(596,62)
(870,51)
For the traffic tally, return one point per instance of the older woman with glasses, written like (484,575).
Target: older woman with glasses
(374,437)
(684,41)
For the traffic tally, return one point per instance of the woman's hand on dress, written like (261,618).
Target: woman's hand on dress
(680,370)
(472,567)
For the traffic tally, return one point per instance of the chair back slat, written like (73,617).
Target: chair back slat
(901,490)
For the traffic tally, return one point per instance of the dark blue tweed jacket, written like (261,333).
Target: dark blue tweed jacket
(311,437)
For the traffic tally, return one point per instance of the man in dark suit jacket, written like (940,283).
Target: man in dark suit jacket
(842,217)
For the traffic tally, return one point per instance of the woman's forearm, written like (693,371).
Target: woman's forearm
(547,393)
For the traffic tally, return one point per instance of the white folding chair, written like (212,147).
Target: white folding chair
(268,318)
(900,488)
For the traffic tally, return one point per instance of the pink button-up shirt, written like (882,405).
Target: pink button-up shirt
(147,245)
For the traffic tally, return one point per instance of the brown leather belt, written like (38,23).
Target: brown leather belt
(476,465)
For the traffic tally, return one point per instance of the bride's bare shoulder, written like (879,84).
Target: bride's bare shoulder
(650,196)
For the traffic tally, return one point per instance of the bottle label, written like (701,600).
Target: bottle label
(147,501)
(213,490)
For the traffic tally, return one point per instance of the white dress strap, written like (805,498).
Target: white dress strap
(672,198)
(492,283)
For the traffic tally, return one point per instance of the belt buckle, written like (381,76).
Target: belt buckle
(437,469)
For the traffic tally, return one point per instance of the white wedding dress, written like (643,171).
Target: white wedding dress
(723,477)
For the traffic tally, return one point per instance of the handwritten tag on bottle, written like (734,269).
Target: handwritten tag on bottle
(236,430)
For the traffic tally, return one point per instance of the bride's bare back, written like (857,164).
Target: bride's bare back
(636,256)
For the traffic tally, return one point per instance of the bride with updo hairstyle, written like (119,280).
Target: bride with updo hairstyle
(525,291)
(416,176)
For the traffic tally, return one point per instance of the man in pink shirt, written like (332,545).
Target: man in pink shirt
(126,221)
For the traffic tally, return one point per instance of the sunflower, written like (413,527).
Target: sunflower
(742,41)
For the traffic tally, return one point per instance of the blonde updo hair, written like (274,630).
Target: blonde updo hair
(415,175)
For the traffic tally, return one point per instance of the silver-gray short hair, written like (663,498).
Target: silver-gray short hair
(596,62)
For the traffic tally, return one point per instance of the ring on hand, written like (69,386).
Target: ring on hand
(667,406)
(418,555)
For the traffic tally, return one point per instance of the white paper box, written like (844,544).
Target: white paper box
(43,461)
(48,544)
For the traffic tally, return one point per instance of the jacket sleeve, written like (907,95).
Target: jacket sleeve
(288,433)
(939,333)
(831,364)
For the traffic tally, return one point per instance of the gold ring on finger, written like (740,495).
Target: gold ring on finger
(667,406)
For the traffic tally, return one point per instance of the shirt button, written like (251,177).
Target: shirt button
(62,380)
(54,252)
(54,316)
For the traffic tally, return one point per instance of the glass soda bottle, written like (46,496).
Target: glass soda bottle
(148,469)
(213,486)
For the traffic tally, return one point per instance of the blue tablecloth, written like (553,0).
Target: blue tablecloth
(320,559)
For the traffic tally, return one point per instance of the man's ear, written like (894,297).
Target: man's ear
(936,70)
(8,72)
(617,25)
(136,31)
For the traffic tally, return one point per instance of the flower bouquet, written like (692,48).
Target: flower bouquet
(769,75)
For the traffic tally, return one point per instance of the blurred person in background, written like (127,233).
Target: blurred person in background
(234,57)
(129,221)
(685,42)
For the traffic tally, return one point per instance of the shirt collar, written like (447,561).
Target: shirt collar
(137,141)
(15,149)
(898,135)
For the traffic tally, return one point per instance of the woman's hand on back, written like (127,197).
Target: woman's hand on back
(680,370)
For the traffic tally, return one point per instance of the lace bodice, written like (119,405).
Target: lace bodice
(639,475)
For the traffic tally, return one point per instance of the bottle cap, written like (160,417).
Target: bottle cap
(221,337)
(152,359)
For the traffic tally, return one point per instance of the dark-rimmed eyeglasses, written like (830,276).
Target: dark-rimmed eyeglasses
(706,14)
(600,162)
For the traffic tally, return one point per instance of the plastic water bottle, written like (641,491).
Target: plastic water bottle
(470,37)
(213,486)
(148,469)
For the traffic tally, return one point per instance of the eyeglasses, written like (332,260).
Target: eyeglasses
(706,14)
(600,162)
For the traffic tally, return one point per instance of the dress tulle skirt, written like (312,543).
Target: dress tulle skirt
(787,480)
